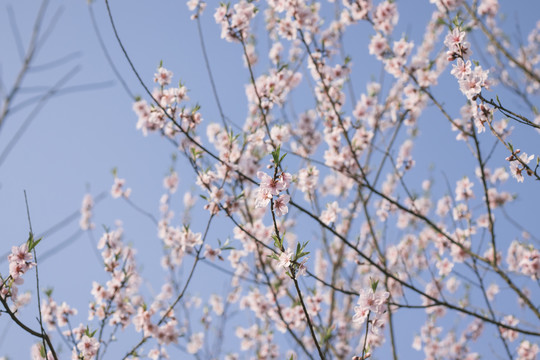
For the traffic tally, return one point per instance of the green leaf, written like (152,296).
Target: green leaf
(440,21)
(34,243)
(327,334)
(30,239)
(195,153)
(284,66)
(374,285)
(275,155)
(278,243)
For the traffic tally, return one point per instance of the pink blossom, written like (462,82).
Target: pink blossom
(263,198)
(472,84)
(20,261)
(454,39)
(445,267)
(462,69)
(86,213)
(36,350)
(280,205)
(217,304)
(516,166)
(163,76)
(170,182)
(508,334)
(118,190)
(385,16)
(329,215)
(275,52)
(20,254)
(370,301)
(63,312)
(211,253)
(307,179)
(268,184)
(195,343)
(463,189)
(488,7)
(378,46)
(198,5)
(530,263)
(491,291)
(285,258)
(457,46)
(527,350)
(88,347)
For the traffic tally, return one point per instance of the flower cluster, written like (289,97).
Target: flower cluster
(55,315)
(170,113)
(371,306)
(170,182)
(518,164)
(198,5)
(471,81)
(113,302)
(527,350)
(273,88)
(20,261)
(87,348)
(86,212)
(458,48)
(178,241)
(165,331)
(118,190)
(235,22)
(524,258)
(38,353)
(270,187)
(385,17)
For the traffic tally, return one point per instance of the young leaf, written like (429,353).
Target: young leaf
(374,285)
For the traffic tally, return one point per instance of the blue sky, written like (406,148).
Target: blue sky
(78,138)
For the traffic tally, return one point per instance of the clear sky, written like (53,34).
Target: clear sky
(80,135)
